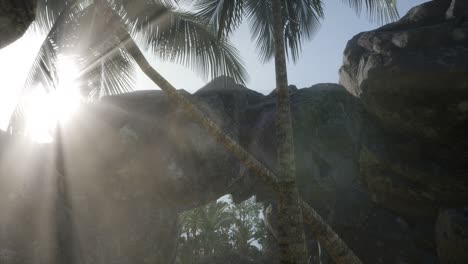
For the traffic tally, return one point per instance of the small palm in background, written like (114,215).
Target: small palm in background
(219,229)
(248,230)
(215,224)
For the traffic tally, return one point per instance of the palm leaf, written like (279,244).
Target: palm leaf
(381,11)
(104,65)
(225,15)
(301,20)
(181,37)
(260,17)
(82,35)
(49,11)
(79,33)
(113,75)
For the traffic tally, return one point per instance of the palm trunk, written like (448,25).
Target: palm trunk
(184,102)
(331,241)
(291,237)
(336,247)
(66,231)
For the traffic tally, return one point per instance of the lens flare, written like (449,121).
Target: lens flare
(45,110)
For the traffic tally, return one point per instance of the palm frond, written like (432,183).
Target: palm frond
(182,37)
(109,74)
(259,14)
(81,35)
(225,15)
(301,20)
(116,75)
(215,215)
(103,67)
(381,11)
(43,71)
(49,11)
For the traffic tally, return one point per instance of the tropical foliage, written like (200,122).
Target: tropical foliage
(220,228)
(276,33)
(82,35)
(279,28)
(301,19)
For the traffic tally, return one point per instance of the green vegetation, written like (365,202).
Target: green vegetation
(221,228)
(199,41)
(280,28)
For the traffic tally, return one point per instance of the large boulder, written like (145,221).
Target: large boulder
(452,235)
(132,162)
(377,157)
(110,187)
(15,18)
(412,78)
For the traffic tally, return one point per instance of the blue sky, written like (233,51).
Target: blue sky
(320,60)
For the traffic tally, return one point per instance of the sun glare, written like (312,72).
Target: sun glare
(45,110)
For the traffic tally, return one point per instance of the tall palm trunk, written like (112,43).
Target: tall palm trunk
(66,230)
(336,247)
(291,237)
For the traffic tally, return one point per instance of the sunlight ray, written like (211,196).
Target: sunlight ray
(44,110)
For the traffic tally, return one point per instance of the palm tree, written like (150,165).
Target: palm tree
(279,28)
(336,247)
(103,64)
(331,241)
(248,226)
(205,231)
(215,218)
(190,225)
(87,32)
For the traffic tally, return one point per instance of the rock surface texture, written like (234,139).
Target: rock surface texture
(412,78)
(132,162)
(452,235)
(382,157)
(15,18)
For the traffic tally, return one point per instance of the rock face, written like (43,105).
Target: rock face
(412,78)
(382,157)
(132,162)
(15,18)
(452,235)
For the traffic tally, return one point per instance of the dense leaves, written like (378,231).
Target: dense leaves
(221,228)
(378,10)
(80,32)
(301,18)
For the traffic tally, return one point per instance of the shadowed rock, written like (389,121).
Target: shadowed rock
(133,162)
(378,158)
(15,18)
(411,76)
(452,235)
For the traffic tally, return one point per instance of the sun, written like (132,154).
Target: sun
(44,111)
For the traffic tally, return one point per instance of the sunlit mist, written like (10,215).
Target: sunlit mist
(44,110)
